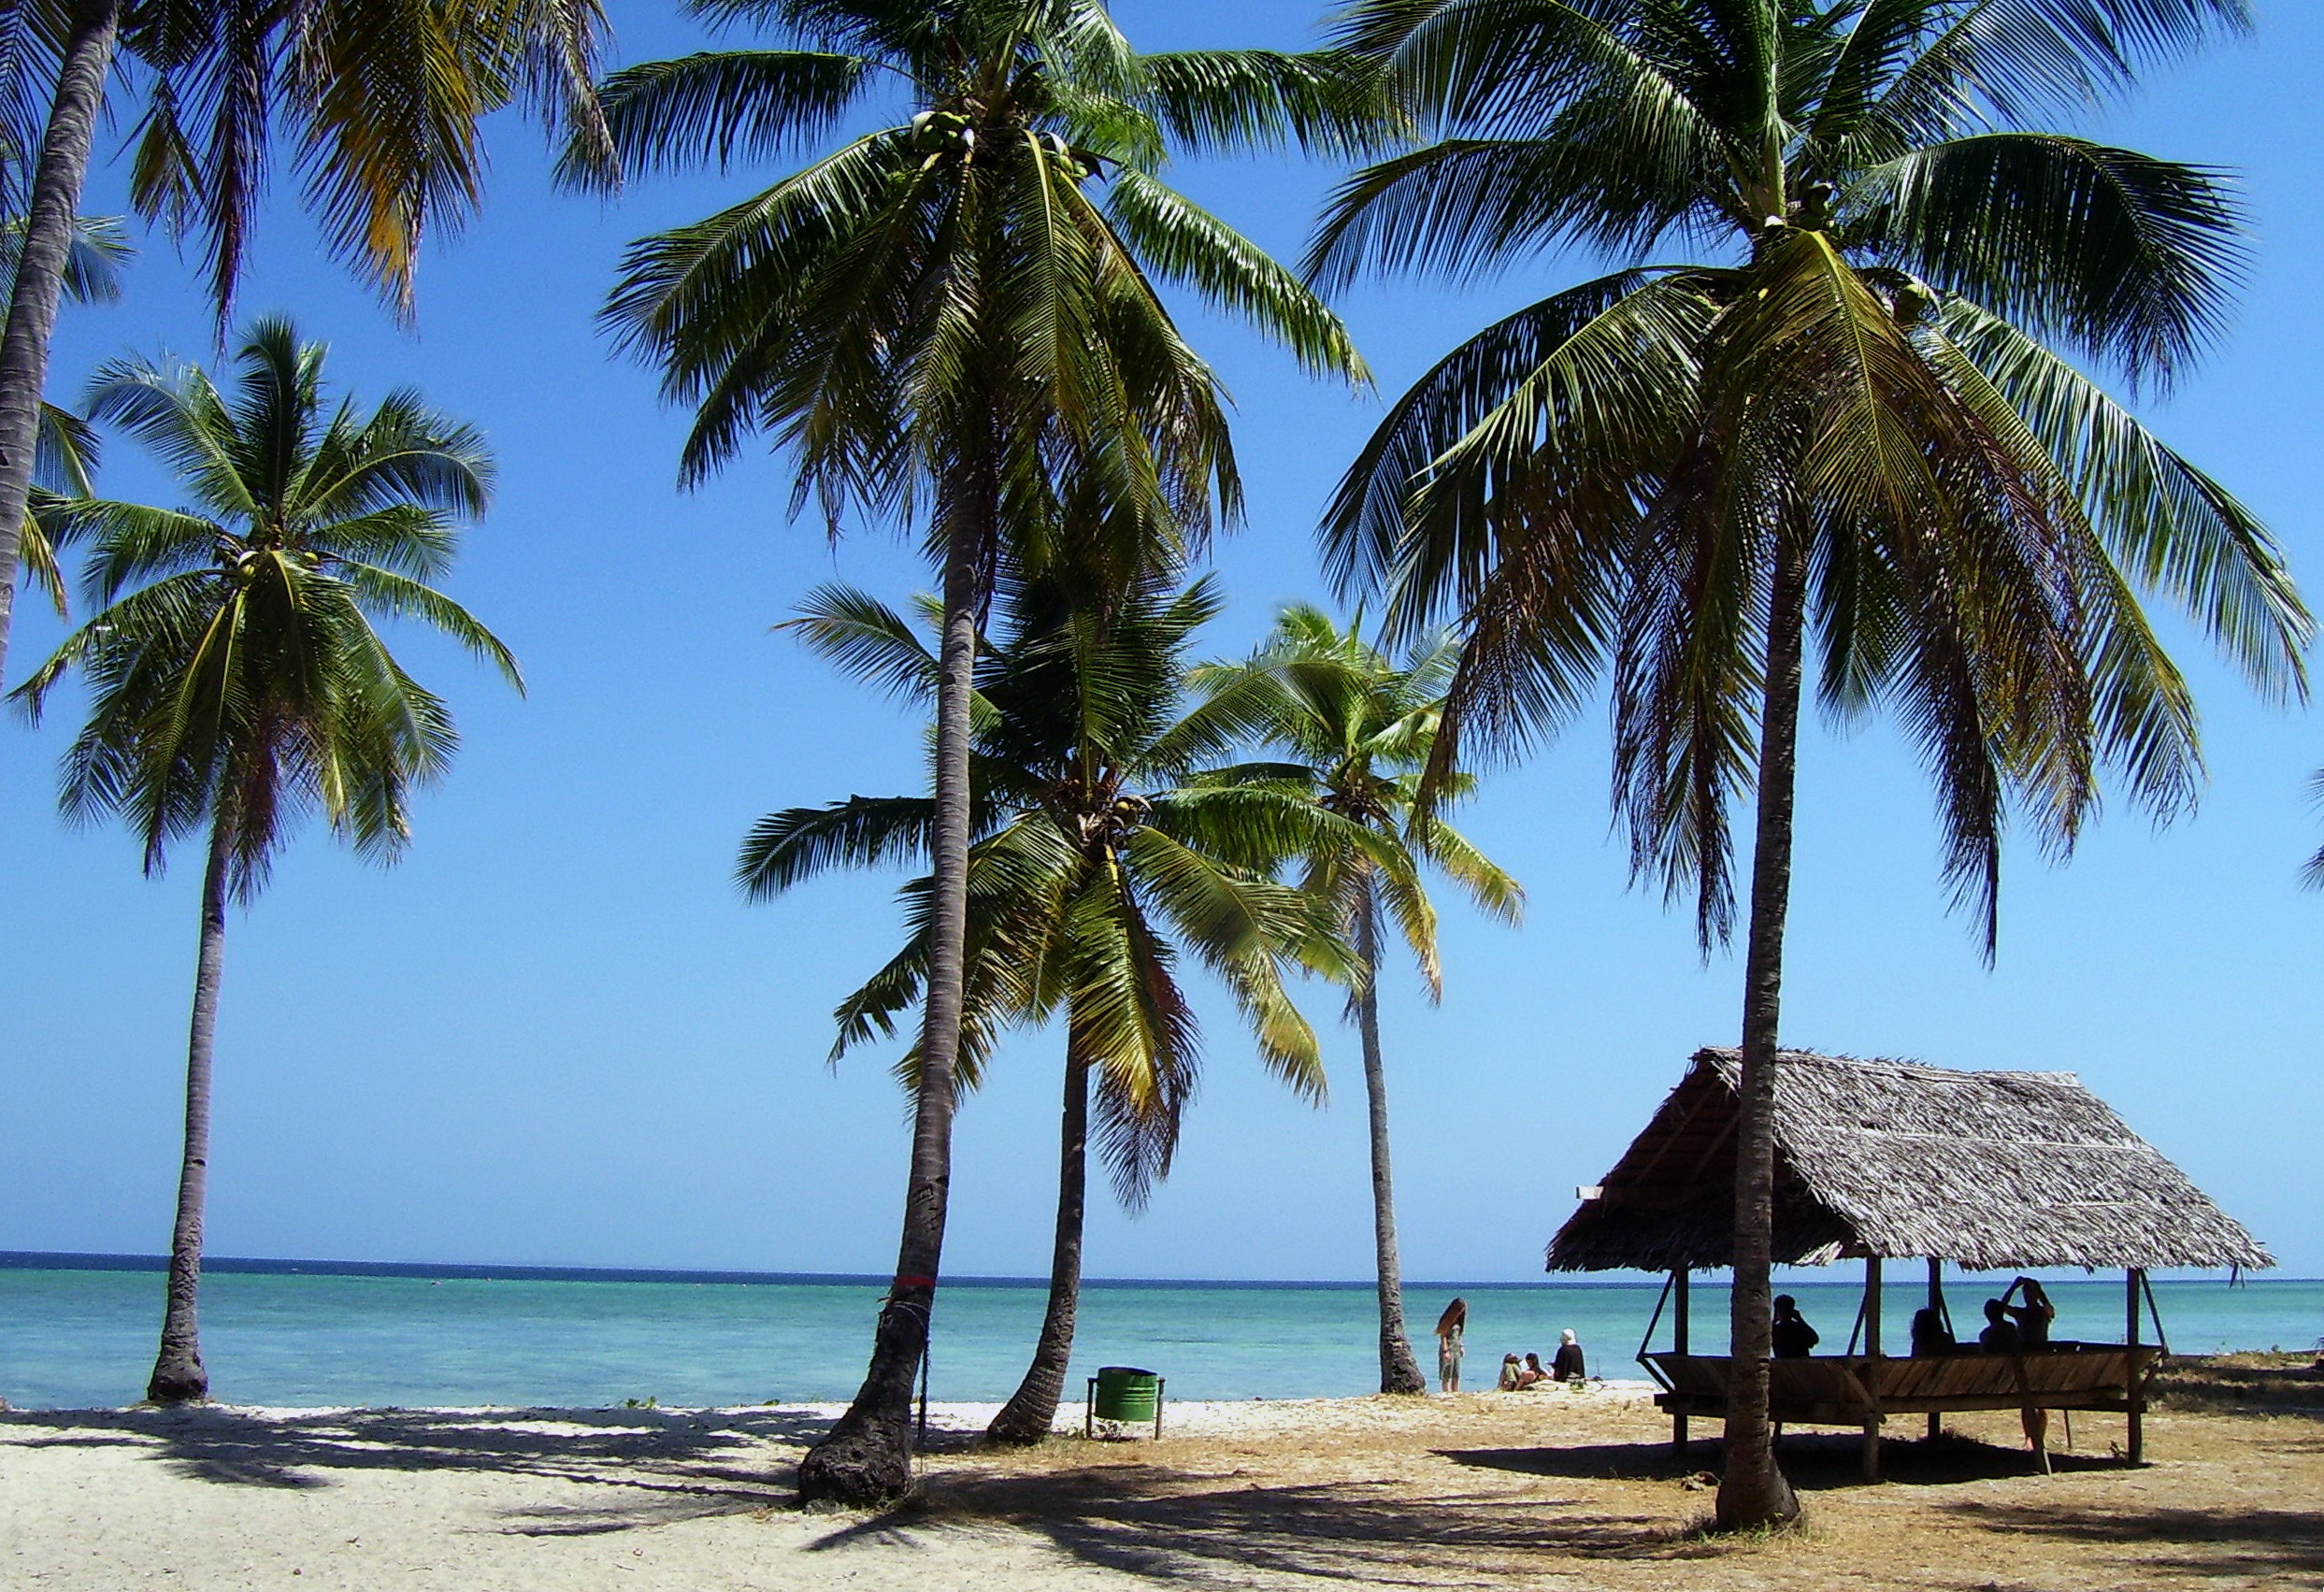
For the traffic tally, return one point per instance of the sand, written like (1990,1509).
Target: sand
(1552,1490)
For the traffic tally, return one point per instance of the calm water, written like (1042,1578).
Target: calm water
(81,1337)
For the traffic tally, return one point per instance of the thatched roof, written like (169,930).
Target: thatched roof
(1891,1158)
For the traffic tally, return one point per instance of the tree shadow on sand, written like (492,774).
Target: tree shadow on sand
(1814,1461)
(2264,1545)
(1218,1527)
(688,1462)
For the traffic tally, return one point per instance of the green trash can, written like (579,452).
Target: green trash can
(1126,1394)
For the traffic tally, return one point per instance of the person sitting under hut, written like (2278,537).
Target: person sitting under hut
(2032,1318)
(2000,1336)
(1792,1337)
(1568,1366)
(1930,1335)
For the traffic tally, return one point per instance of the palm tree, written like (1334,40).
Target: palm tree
(1864,419)
(236,679)
(1109,847)
(951,320)
(380,98)
(1360,728)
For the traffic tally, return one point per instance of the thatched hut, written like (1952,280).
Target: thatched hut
(1880,1160)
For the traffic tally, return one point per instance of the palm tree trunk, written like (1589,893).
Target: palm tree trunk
(1028,1415)
(1753,1492)
(57,178)
(1399,1374)
(178,1374)
(865,1457)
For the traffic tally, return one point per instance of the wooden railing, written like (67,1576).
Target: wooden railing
(1852,1389)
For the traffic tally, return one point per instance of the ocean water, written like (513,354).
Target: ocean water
(82,1335)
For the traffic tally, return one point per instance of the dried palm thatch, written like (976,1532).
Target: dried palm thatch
(1894,1159)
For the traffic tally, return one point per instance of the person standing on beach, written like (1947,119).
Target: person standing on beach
(1450,1326)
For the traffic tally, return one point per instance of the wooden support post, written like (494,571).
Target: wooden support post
(1678,1342)
(1936,1303)
(2132,1278)
(1872,1305)
(1871,1449)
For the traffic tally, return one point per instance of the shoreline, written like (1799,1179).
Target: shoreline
(951,1417)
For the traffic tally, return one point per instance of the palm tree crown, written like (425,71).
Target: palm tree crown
(1360,728)
(236,675)
(974,280)
(1113,840)
(1874,368)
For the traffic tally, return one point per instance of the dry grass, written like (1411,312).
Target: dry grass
(1491,1491)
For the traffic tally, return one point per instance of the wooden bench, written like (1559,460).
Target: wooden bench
(1860,1390)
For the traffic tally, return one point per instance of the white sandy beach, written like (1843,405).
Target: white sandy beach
(230,1496)
(1560,1490)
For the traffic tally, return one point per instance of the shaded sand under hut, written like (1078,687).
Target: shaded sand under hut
(1891,1160)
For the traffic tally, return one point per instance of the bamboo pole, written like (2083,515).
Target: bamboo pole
(2131,1278)
(1936,1303)
(1872,1305)
(1678,1342)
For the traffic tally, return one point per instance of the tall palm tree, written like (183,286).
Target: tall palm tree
(1111,846)
(1863,419)
(380,98)
(1360,728)
(236,680)
(951,320)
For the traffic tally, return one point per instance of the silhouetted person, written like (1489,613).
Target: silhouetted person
(1932,1337)
(2032,1318)
(1792,1337)
(2000,1337)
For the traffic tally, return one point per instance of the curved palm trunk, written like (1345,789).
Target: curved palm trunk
(865,1457)
(1028,1415)
(57,178)
(178,1374)
(1399,1374)
(1753,1492)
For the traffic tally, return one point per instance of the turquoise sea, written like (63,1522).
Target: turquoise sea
(79,1333)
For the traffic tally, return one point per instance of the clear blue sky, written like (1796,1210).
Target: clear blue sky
(556,1035)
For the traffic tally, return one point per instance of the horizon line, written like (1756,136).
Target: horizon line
(79,1260)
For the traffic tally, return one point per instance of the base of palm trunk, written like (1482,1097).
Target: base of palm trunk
(1022,1427)
(1757,1506)
(864,1462)
(179,1380)
(1398,1372)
